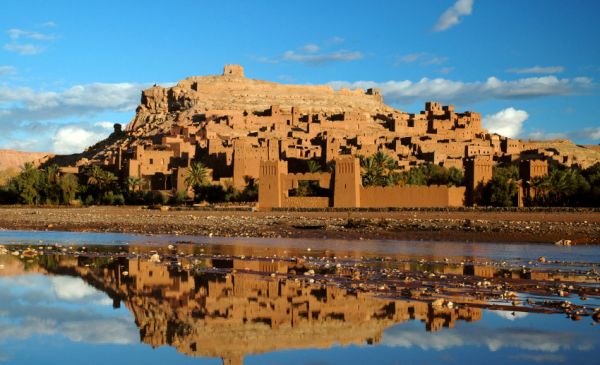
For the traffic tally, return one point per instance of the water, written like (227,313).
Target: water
(254,301)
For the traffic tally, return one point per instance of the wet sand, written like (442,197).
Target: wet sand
(581,226)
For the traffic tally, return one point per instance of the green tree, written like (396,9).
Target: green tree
(135,183)
(69,184)
(99,182)
(376,169)
(563,187)
(27,184)
(197,175)
(502,189)
(51,191)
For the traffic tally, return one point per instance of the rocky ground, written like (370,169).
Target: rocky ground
(579,226)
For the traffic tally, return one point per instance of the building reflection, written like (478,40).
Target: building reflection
(240,309)
(234,307)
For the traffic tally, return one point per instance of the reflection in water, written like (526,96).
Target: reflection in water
(230,308)
(231,315)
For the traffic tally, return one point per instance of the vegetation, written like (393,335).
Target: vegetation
(310,187)
(381,170)
(502,190)
(561,187)
(567,187)
(378,170)
(40,186)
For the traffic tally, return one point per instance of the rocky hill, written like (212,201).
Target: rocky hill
(11,159)
(232,91)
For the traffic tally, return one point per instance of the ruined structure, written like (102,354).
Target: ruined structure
(231,123)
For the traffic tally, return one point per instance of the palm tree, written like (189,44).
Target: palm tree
(135,183)
(52,174)
(197,175)
(371,171)
(377,170)
(313,166)
(95,175)
(107,179)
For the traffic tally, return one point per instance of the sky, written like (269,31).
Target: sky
(70,69)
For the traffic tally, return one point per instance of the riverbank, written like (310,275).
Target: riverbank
(581,227)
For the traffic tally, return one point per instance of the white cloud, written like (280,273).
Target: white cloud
(407,92)
(48,24)
(20,33)
(38,305)
(6,70)
(27,114)
(538,70)
(317,59)
(311,48)
(26,104)
(74,139)
(540,358)
(309,54)
(452,16)
(445,70)
(424,59)
(21,145)
(584,134)
(71,288)
(507,122)
(23,49)
(510,315)
(105,125)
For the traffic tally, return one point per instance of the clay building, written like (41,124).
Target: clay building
(232,123)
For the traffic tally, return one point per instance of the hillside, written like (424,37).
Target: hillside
(11,159)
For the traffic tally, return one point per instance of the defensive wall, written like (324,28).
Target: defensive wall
(275,183)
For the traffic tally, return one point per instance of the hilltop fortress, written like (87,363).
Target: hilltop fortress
(235,125)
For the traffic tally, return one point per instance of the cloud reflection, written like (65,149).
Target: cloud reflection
(66,306)
(493,339)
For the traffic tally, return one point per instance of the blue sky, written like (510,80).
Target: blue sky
(69,69)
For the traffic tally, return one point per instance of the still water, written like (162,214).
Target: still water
(78,298)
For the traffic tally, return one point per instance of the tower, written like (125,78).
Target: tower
(270,187)
(478,171)
(347,182)
(233,70)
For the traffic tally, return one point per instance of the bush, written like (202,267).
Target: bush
(119,199)
(89,200)
(179,198)
(502,190)
(108,198)
(156,198)
(135,197)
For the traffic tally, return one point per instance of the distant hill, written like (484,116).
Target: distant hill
(583,155)
(11,159)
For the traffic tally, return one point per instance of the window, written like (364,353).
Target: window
(151,161)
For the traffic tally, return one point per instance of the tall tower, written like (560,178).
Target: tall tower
(478,171)
(347,182)
(270,187)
